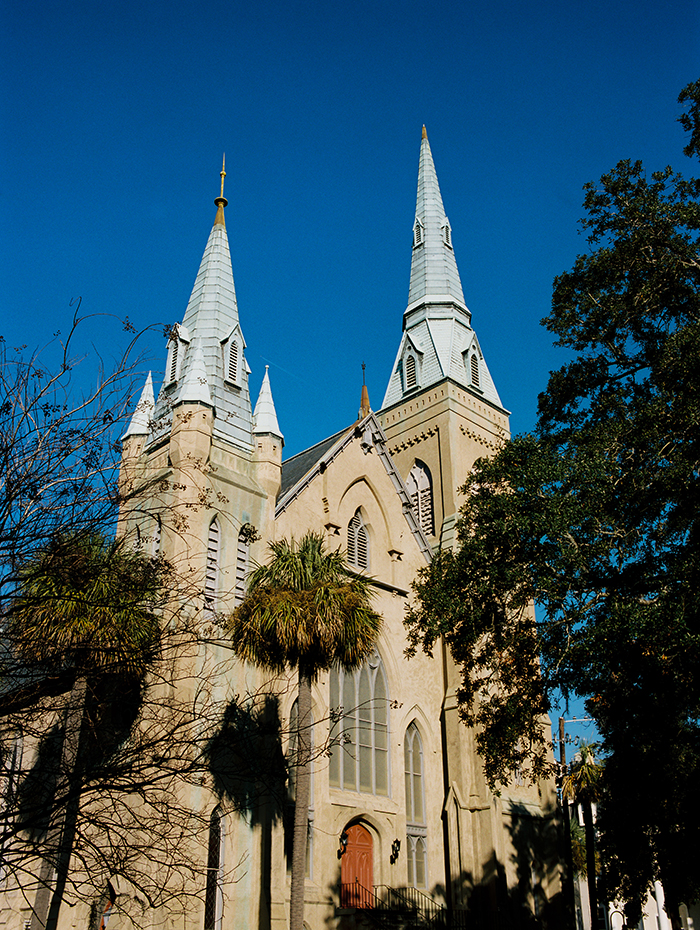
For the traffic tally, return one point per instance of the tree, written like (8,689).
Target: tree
(85,609)
(595,518)
(58,455)
(305,610)
(582,786)
(142,737)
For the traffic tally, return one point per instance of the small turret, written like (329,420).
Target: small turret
(268,440)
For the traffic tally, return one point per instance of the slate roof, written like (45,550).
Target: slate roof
(294,469)
(210,318)
(437,322)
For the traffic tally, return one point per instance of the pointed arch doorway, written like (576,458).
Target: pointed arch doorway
(357,868)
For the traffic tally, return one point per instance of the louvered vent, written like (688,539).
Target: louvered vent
(420,489)
(233,361)
(242,560)
(475,370)
(410,372)
(212,573)
(426,511)
(447,235)
(358,542)
(173,358)
(417,233)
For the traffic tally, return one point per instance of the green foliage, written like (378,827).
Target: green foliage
(578,847)
(582,784)
(595,518)
(305,609)
(88,604)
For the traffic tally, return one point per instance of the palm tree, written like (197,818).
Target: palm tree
(85,607)
(582,786)
(305,610)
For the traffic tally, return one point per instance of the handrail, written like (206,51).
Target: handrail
(418,908)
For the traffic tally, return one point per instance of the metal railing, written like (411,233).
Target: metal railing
(405,907)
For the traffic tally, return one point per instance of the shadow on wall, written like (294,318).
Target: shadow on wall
(489,904)
(250,775)
(111,706)
(246,760)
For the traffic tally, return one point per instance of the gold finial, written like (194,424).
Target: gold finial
(425,134)
(221,201)
(365,408)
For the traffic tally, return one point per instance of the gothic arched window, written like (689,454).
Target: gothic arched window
(411,377)
(213,894)
(420,490)
(474,362)
(211,579)
(242,563)
(359,713)
(416,831)
(358,541)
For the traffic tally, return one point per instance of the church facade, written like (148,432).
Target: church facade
(400,810)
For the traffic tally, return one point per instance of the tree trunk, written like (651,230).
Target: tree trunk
(61,833)
(301,807)
(590,862)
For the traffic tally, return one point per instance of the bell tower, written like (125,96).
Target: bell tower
(441,410)
(198,469)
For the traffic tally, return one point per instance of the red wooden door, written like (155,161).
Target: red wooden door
(356,868)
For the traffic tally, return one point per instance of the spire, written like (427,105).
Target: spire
(365,408)
(265,415)
(206,356)
(438,341)
(221,201)
(140,424)
(433,266)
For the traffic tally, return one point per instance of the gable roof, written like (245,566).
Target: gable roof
(300,471)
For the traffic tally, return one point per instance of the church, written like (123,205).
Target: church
(399,805)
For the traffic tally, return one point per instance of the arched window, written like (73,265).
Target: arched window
(292,766)
(358,542)
(242,563)
(213,893)
(411,379)
(420,490)
(474,362)
(359,713)
(416,831)
(211,580)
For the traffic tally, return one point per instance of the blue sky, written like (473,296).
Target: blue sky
(114,118)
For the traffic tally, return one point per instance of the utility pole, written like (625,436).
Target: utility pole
(568,889)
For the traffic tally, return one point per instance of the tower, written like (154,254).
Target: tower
(213,464)
(441,410)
